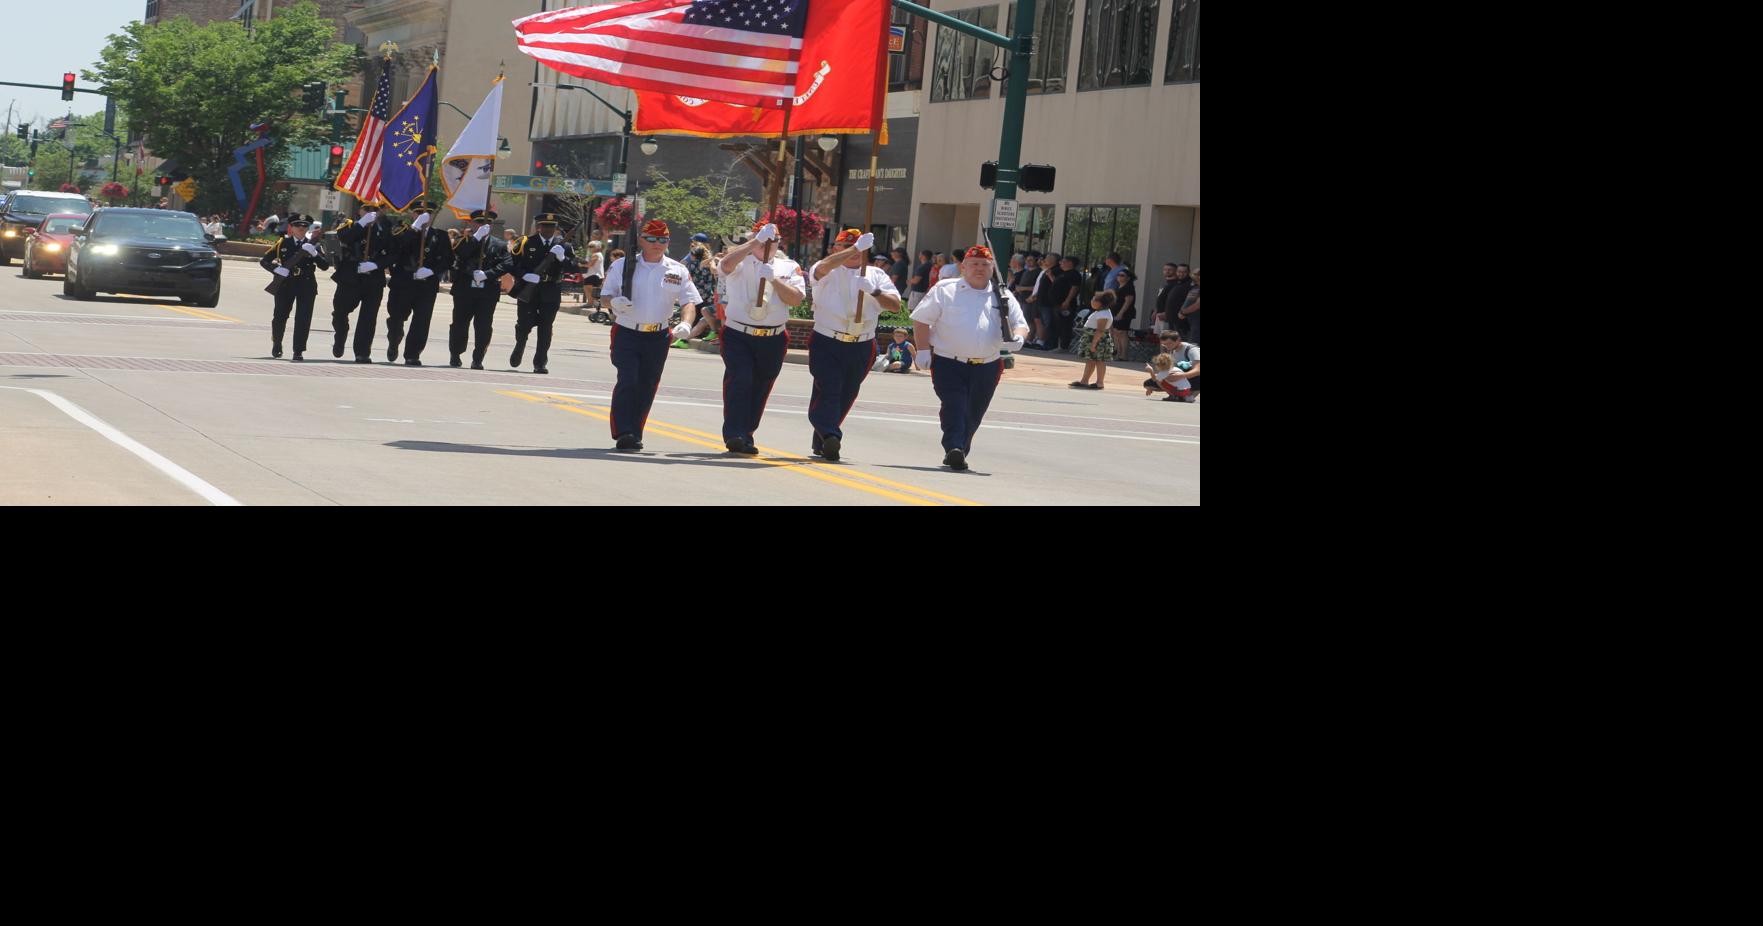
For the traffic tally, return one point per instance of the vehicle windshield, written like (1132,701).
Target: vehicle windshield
(169,225)
(43,205)
(61,226)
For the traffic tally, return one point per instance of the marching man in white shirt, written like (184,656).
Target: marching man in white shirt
(643,293)
(763,286)
(849,296)
(959,328)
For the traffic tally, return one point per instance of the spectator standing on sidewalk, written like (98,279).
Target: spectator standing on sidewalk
(1095,346)
(1127,292)
(595,273)
(920,281)
(1067,291)
(950,269)
(1188,319)
(1111,276)
(901,271)
(1173,293)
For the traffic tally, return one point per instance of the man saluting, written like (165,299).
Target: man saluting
(643,292)
(849,296)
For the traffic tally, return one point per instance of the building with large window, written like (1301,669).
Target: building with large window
(1114,104)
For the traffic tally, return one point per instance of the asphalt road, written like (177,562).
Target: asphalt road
(142,401)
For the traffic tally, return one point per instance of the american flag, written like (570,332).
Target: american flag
(361,175)
(58,124)
(736,51)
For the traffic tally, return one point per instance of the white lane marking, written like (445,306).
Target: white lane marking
(1179,424)
(931,421)
(415,420)
(157,318)
(186,478)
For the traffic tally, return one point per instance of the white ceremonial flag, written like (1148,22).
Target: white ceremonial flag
(468,167)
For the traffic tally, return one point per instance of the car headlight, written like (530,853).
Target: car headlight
(52,248)
(10,233)
(105,250)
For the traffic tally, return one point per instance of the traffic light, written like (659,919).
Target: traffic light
(336,159)
(24,132)
(1038,178)
(314,97)
(538,166)
(164,181)
(988,175)
(67,86)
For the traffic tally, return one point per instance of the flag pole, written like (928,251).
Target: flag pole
(772,194)
(876,140)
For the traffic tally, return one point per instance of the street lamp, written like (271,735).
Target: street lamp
(649,146)
(827,143)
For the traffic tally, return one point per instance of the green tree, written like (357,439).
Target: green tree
(90,145)
(194,91)
(717,204)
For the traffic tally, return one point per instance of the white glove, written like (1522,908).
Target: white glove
(367,218)
(681,330)
(421,222)
(865,284)
(1013,346)
(866,242)
(483,231)
(310,249)
(768,233)
(423,273)
(620,305)
(531,277)
(921,359)
(478,275)
(766,272)
(557,251)
(367,266)
(281,271)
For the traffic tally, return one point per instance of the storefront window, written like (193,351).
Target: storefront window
(1034,229)
(1184,43)
(1093,232)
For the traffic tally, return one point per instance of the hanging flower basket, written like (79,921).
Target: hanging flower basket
(786,219)
(114,192)
(69,188)
(614,214)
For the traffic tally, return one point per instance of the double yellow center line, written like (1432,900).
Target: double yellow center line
(845,476)
(201,313)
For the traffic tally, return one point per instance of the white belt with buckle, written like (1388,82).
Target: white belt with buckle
(847,338)
(643,328)
(755,331)
(965,359)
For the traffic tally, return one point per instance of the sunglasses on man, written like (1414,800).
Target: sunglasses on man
(654,240)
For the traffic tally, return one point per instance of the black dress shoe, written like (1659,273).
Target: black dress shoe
(337,350)
(413,363)
(742,446)
(829,448)
(392,353)
(363,359)
(454,363)
(519,352)
(276,352)
(299,358)
(814,448)
(477,364)
(629,442)
(955,459)
(540,370)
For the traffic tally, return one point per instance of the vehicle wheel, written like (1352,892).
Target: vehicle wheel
(71,288)
(29,274)
(208,303)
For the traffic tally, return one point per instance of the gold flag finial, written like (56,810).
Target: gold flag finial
(388,48)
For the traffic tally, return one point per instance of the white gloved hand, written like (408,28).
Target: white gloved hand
(421,222)
(557,251)
(768,233)
(681,331)
(766,272)
(1015,346)
(866,284)
(423,273)
(483,231)
(367,218)
(530,277)
(866,242)
(281,271)
(620,305)
(367,266)
(478,275)
(310,249)
(921,359)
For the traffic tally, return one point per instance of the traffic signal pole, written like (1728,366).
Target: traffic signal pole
(1015,104)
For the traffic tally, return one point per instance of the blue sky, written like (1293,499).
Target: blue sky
(54,44)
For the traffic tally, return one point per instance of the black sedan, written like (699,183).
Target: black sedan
(147,252)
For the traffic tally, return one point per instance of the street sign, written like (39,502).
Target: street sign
(897,39)
(522,183)
(331,201)
(1004,213)
(618,184)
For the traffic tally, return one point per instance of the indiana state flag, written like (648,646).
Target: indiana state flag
(410,146)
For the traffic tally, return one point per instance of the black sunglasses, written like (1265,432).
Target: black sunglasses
(654,240)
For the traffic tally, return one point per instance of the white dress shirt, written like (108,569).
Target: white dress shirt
(835,301)
(741,290)
(655,290)
(964,321)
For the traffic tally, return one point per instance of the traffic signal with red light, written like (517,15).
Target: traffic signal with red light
(165,181)
(538,165)
(336,159)
(67,86)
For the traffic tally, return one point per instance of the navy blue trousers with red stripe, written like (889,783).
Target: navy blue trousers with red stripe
(639,357)
(838,369)
(750,368)
(966,391)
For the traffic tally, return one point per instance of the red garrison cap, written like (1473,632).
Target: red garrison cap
(980,251)
(848,236)
(656,228)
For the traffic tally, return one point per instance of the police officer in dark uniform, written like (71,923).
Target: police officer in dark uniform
(364,253)
(419,255)
(479,262)
(299,284)
(541,311)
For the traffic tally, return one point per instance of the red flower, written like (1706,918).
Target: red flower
(614,214)
(115,192)
(786,218)
(69,188)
